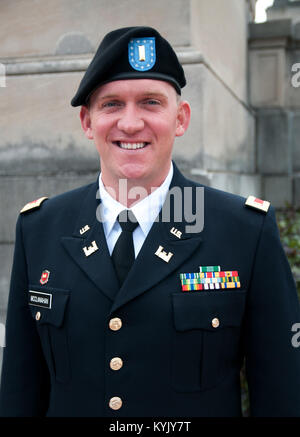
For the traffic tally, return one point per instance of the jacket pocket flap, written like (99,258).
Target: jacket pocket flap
(197,310)
(48,305)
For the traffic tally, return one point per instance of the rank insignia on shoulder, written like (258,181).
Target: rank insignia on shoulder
(255,203)
(33,205)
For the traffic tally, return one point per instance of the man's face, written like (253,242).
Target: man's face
(133,124)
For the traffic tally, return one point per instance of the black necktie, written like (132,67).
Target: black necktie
(123,253)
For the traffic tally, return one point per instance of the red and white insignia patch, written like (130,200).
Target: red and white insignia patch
(254,202)
(45,277)
(33,205)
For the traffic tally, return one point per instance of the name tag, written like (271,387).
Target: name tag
(40,299)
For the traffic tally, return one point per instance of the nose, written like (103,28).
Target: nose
(130,121)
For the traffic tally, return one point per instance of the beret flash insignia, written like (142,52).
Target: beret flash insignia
(141,53)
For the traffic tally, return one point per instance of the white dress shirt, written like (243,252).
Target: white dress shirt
(145,211)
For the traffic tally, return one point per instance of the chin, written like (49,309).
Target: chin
(134,172)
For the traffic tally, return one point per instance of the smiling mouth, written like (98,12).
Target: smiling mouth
(131,146)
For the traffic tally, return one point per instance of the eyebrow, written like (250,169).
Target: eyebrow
(108,96)
(145,94)
(154,93)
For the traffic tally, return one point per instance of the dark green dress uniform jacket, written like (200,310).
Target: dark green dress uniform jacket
(175,362)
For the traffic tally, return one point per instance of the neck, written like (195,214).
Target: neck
(131,191)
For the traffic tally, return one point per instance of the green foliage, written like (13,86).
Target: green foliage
(288,221)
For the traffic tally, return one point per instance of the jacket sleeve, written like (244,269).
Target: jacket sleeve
(272,362)
(24,389)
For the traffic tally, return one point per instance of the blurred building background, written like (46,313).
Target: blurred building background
(242,88)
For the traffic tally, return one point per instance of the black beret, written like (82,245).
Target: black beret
(131,53)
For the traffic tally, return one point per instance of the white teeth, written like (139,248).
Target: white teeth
(132,146)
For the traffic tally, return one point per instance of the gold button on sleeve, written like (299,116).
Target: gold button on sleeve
(38,316)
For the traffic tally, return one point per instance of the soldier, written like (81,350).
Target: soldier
(116,309)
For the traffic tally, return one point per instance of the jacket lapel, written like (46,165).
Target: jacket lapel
(162,252)
(88,248)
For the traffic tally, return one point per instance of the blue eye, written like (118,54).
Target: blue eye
(152,102)
(110,104)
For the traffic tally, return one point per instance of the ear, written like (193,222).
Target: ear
(86,123)
(183,118)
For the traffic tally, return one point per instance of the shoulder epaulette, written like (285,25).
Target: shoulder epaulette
(255,203)
(33,205)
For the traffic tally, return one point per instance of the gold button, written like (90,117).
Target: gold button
(215,322)
(115,403)
(115,324)
(38,316)
(116,363)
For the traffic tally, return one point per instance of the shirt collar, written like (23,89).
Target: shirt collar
(145,211)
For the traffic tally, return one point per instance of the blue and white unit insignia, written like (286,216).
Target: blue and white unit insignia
(141,53)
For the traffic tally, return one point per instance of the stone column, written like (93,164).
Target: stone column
(275,94)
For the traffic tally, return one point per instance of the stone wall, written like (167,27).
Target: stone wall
(284,9)
(275,94)
(45,48)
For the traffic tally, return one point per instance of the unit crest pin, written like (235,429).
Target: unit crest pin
(45,277)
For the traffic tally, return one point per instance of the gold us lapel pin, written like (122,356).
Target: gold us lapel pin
(175,232)
(84,229)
